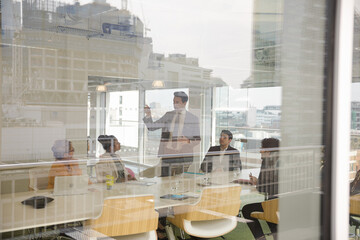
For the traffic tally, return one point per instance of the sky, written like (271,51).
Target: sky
(218,33)
(357,5)
(355,92)
(255,97)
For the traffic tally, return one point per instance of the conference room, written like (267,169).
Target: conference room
(119,121)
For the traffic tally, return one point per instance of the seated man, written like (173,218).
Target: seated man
(64,165)
(223,157)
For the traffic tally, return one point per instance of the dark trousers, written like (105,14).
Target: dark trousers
(175,166)
(255,226)
(163,212)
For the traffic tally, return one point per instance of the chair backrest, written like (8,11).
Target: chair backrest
(215,203)
(125,216)
(39,178)
(271,208)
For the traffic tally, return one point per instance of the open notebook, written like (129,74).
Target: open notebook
(70,185)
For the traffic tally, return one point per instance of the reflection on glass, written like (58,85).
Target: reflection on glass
(87,70)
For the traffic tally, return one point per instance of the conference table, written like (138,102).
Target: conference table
(80,207)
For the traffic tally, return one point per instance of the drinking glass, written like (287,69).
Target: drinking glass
(206,181)
(236,173)
(175,184)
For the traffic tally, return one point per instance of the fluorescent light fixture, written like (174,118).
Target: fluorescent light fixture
(101,88)
(158,84)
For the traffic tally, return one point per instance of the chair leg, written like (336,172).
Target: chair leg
(169,232)
(182,234)
(357,233)
(239,214)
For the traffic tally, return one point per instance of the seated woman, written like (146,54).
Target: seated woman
(110,163)
(64,165)
(266,183)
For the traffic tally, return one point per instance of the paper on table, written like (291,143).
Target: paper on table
(193,195)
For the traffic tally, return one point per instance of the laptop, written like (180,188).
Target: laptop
(71,185)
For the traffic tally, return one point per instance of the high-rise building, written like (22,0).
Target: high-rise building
(267,27)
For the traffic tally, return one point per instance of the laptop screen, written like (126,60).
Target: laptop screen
(70,185)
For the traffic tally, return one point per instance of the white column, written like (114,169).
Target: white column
(341,119)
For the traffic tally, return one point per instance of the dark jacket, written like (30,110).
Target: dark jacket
(214,152)
(355,185)
(269,177)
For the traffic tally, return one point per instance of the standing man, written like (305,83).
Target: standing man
(222,158)
(180,136)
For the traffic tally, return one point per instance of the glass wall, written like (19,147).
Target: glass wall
(203,118)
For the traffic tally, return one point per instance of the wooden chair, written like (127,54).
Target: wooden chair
(270,214)
(213,216)
(128,217)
